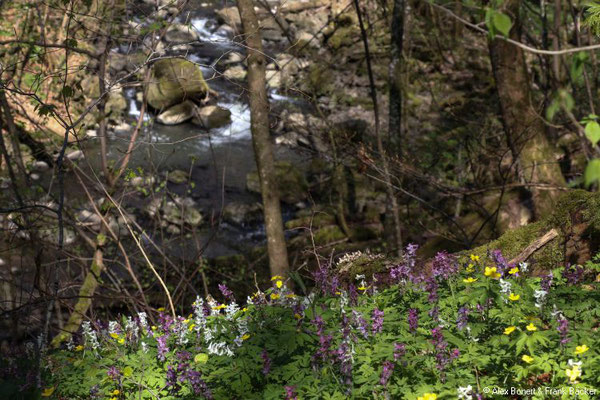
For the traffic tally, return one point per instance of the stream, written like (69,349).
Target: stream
(218,160)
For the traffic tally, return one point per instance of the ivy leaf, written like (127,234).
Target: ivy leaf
(501,22)
(592,132)
(592,172)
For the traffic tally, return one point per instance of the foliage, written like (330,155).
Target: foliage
(461,329)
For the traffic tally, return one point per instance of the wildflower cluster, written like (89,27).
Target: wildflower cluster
(419,338)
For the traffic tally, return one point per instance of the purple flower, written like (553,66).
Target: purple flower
(431,286)
(434,313)
(361,323)
(198,385)
(573,274)
(290,393)
(442,356)
(162,347)
(500,261)
(266,362)
(413,319)
(377,326)
(399,351)
(386,373)
(352,294)
(228,294)
(546,282)
(113,373)
(463,318)
(563,330)
(444,265)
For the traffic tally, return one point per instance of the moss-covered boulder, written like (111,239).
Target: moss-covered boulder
(174,81)
(293,187)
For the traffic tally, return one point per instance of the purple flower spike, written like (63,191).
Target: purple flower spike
(413,319)
(266,362)
(377,326)
(228,294)
(388,368)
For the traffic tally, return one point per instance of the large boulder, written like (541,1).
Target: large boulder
(211,117)
(230,16)
(242,214)
(177,114)
(173,81)
(292,184)
(235,73)
(179,34)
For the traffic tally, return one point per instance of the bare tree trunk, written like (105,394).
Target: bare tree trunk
(525,129)
(259,119)
(395,74)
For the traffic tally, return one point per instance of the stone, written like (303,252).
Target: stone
(40,166)
(230,16)
(273,78)
(211,117)
(178,177)
(234,58)
(173,81)
(34,177)
(242,214)
(173,230)
(116,105)
(122,128)
(75,155)
(293,187)
(235,73)
(90,86)
(177,114)
(88,217)
(176,214)
(91,133)
(305,38)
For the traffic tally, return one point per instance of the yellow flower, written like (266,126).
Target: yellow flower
(513,271)
(279,284)
(185,321)
(275,296)
(338,293)
(219,307)
(470,280)
(531,327)
(581,349)
(192,326)
(474,258)
(290,295)
(277,277)
(48,392)
(122,341)
(514,297)
(244,309)
(297,316)
(246,337)
(527,359)
(362,288)
(116,392)
(160,309)
(113,398)
(428,396)
(79,348)
(153,328)
(509,330)
(573,373)
(491,272)
(114,335)
(470,268)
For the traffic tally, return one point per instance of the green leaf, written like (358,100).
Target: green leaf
(127,371)
(501,22)
(592,172)
(201,358)
(592,132)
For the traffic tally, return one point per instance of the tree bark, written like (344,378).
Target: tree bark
(524,127)
(395,74)
(263,152)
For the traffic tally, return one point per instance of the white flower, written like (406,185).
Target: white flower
(574,363)
(113,327)
(505,286)
(90,335)
(540,297)
(523,266)
(231,310)
(464,392)
(144,347)
(143,320)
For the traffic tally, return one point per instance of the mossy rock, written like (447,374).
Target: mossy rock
(293,187)
(316,220)
(173,81)
(328,235)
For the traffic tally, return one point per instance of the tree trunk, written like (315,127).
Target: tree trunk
(395,75)
(259,125)
(524,127)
